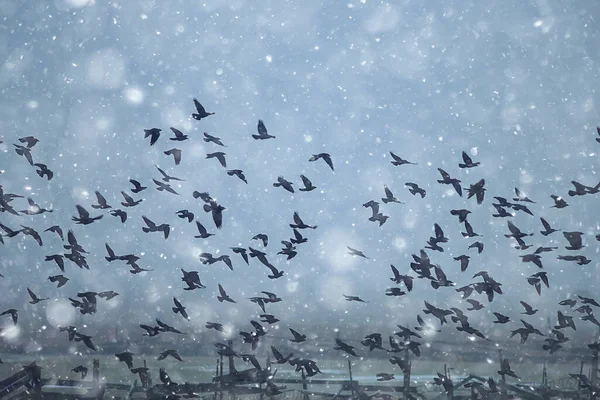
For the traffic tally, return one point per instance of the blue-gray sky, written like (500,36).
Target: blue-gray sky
(512,83)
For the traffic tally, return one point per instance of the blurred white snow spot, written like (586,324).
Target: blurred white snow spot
(60,313)
(538,23)
(32,104)
(269,58)
(78,3)
(474,151)
(79,194)
(333,249)
(292,286)
(400,243)
(134,95)
(308,138)
(106,69)
(385,18)
(11,332)
(219,71)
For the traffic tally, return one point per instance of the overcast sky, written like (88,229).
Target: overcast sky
(512,83)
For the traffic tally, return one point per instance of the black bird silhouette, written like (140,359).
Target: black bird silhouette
(164,187)
(398,161)
(203,233)
(477,245)
(469,230)
(33,233)
(239,173)
(500,318)
(299,224)
(398,278)
(298,338)
(559,202)
(25,152)
(414,189)
(60,279)
(102,204)
(389,196)
(468,162)
(185,214)
(598,132)
(464,262)
(119,213)
(528,309)
(219,155)
(172,353)
(522,197)
(462,214)
(192,279)
(43,171)
(201,112)
(345,347)
(153,134)
(126,357)
(242,252)
(152,227)
(56,229)
(176,153)
(84,216)
(29,141)
(214,325)
(14,314)
(262,132)
(325,157)
(447,180)
(298,238)
(58,259)
(212,139)
(87,340)
(137,187)
(262,237)
(548,230)
(354,298)
(179,136)
(217,213)
(308,185)
(129,201)
(223,296)
(166,177)
(574,239)
(354,252)
(179,308)
(80,369)
(477,190)
(287,185)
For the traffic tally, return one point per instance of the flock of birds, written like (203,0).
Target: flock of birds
(423,267)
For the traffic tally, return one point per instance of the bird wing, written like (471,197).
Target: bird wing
(199,107)
(466,158)
(83,214)
(262,129)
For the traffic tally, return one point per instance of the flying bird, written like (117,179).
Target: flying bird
(398,161)
(325,157)
(176,153)
(201,112)
(153,134)
(262,132)
(179,136)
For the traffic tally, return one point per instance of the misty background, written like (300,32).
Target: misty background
(512,83)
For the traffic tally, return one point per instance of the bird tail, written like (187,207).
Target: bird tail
(146,229)
(385,201)
(435,284)
(220,299)
(277,184)
(256,136)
